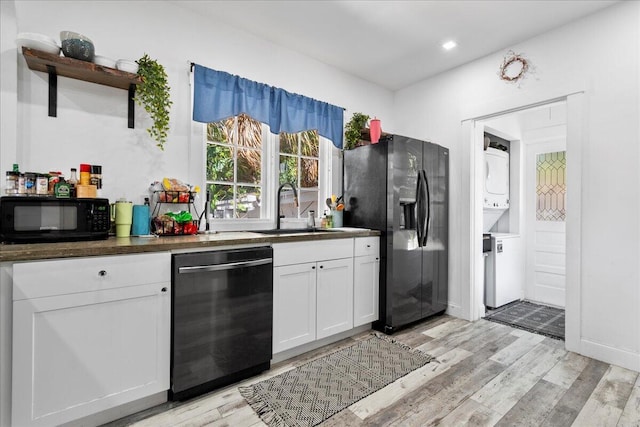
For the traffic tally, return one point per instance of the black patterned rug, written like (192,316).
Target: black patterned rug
(539,319)
(313,392)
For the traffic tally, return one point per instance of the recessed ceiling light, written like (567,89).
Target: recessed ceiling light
(449,45)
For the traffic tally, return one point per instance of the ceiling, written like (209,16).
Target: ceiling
(395,43)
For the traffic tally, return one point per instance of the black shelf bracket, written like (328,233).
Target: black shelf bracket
(53,91)
(131,109)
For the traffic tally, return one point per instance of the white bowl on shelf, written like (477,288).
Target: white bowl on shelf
(38,42)
(104,61)
(126,65)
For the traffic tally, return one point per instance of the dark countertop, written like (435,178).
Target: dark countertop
(133,245)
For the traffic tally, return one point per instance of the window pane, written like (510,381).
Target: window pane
(221,200)
(249,132)
(309,143)
(249,163)
(219,163)
(248,202)
(219,131)
(287,206)
(551,186)
(309,177)
(289,143)
(308,202)
(288,170)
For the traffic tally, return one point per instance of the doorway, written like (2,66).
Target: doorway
(535,219)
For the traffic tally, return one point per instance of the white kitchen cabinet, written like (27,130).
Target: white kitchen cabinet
(294,305)
(89,334)
(313,291)
(334,297)
(366,273)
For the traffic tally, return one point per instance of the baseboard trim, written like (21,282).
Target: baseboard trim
(608,354)
(296,351)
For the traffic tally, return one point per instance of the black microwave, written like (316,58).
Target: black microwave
(33,219)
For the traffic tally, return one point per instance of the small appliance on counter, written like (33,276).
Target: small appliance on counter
(38,219)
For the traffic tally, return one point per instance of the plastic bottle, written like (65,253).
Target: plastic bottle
(311,221)
(85,174)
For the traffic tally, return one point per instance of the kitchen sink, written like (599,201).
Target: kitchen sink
(293,231)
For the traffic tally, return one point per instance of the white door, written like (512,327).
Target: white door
(545,221)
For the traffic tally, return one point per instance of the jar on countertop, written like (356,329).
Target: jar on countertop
(42,184)
(12,182)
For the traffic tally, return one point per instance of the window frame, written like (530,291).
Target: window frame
(270,182)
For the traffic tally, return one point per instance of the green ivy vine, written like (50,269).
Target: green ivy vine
(153,95)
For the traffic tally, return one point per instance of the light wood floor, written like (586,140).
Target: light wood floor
(486,374)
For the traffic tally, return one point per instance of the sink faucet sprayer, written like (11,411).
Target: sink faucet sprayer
(295,201)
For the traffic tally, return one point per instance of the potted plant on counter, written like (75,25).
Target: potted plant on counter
(153,95)
(353,129)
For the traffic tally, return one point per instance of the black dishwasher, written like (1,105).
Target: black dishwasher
(222,318)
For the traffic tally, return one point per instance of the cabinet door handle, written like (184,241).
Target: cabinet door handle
(102,273)
(313,267)
(163,290)
(368,246)
(322,266)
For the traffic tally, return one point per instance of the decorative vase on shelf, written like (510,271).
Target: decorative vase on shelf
(375,130)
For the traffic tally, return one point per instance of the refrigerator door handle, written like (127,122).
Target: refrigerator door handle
(419,209)
(427,211)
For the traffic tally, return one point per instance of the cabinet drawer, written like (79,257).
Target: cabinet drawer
(311,251)
(367,246)
(66,276)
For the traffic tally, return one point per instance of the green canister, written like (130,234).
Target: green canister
(62,190)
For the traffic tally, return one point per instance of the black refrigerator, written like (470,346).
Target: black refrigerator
(400,186)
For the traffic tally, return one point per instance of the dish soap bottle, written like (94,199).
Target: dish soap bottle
(311,221)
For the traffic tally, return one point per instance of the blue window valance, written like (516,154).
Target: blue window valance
(218,95)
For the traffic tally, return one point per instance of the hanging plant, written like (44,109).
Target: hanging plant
(353,129)
(153,95)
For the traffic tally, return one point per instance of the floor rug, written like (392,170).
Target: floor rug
(313,392)
(539,319)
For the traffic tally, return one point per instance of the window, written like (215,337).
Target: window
(234,167)
(245,164)
(299,165)
(551,186)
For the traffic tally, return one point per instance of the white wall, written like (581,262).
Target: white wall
(91,126)
(599,55)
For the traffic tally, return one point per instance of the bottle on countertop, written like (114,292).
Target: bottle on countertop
(311,221)
(96,176)
(85,174)
(22,190)
(73,181)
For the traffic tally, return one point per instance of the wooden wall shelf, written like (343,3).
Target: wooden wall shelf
(56,65)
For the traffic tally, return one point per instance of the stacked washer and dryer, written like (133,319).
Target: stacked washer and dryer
(504,265)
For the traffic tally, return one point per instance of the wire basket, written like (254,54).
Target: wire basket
(168,227)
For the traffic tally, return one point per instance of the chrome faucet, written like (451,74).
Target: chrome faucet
(295,201)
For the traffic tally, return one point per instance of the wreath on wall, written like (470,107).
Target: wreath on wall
(514,67)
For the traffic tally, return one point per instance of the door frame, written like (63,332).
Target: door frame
(471,136)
